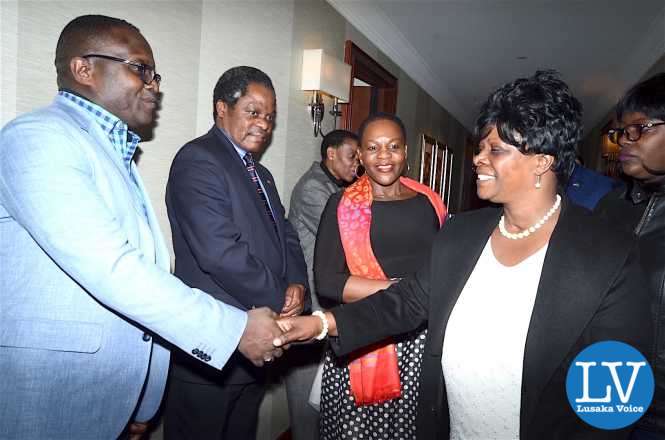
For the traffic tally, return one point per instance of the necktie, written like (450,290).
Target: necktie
(251,169)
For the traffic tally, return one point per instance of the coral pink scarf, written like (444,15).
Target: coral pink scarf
(375,373)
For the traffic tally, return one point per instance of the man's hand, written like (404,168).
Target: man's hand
(295,300)
(256,342)
(137,430)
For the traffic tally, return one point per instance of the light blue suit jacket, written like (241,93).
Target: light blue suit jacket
(84,282)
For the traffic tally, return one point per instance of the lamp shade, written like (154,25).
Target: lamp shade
(325,73)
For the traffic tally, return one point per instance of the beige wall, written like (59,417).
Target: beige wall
(316,25)
(194,41)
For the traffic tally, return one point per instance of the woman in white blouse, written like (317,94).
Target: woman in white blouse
(512,294)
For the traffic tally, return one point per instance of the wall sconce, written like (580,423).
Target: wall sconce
(608,147)
(610,153)
(323,74)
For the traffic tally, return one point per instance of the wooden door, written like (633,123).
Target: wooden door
(378,95)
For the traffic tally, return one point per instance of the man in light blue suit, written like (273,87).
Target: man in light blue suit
(84,271)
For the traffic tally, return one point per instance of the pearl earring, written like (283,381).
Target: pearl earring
(538,181)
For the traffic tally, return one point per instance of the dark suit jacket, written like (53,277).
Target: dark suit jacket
(591,289)
(224,242)
(586,187)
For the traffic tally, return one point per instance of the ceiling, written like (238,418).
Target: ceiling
(459,51)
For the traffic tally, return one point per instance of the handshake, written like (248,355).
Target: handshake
(266,335)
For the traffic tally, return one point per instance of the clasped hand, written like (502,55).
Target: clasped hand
(256,342)
(302,329)
(267,335)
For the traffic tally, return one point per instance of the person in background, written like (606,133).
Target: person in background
(586,187)
(84,269)
(640,210)
(336,170)
(231,238)
(510,294)
(374,232)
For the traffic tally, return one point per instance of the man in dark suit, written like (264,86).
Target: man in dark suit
(231,238)
(586,187)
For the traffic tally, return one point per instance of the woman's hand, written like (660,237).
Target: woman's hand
(298,329)
(303,328)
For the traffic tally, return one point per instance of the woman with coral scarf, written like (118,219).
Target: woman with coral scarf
(377,231)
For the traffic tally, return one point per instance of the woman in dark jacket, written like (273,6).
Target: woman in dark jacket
(510,295)
(640,209)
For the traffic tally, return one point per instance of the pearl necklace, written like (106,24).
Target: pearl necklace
(528,231)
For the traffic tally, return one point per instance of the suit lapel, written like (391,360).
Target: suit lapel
(102,144)
(451,270)
(100,138)
(162,257)
(138,200)
(572,285)
(273,197)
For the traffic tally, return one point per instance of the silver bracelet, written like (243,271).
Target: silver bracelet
(324,321)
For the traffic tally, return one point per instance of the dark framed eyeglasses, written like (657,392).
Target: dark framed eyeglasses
(633,132)
(146,73)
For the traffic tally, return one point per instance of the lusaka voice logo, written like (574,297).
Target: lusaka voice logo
(610,385)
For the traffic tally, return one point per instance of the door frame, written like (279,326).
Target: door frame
(366,69)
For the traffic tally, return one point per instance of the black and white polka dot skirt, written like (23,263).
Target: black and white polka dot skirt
(395,419)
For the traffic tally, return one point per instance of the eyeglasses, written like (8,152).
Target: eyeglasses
(633,132)
(146,73)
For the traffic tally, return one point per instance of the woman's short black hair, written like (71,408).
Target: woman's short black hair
(538,115)
(335,139)
(234,82)
(646,97)
(381,117)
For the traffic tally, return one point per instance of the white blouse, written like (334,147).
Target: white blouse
(483,348)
